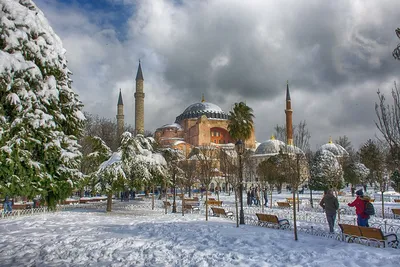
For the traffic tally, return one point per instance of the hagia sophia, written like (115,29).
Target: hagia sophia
(205,123)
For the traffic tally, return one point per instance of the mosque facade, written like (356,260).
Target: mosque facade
(200,124)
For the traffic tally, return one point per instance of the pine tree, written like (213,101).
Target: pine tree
(40,115)
(326,172)
(135,162)
(395,181)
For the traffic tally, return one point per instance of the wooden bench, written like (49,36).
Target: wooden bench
(195,199)
(69,202)
(268,219)
(341,193)
(283,204)
(191,208)
(218,212)
(397,200)
(290,200)
(369,235)
(214,203)
(21,206)
(396,212)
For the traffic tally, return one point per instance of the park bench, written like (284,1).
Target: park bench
(283,204)
(290,200)
(69,202)
(397,200)
(268,219)
(218,212)
(21,206)
(396,212)
(214,203)
(341,193)
(195,199)
(191,207)
(91,200)
(368,235)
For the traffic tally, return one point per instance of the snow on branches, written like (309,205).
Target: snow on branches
(40,116)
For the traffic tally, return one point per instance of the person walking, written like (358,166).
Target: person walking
(248,198)
(330,204)
(257,196)
(359,204)
(266,197)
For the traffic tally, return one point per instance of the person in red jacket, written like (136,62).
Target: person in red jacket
(359,203)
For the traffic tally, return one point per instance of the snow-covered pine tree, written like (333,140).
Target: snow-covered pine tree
(92,161)
(135,161)
(40,115)
(326,172)
(395,181)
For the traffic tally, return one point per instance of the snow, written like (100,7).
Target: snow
(137,236)
(336,149)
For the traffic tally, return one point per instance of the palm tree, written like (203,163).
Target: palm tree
(240,126)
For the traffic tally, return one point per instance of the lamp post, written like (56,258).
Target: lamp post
(239,146)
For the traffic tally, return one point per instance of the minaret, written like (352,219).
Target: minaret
(120,117)
(289,119)
(139,102)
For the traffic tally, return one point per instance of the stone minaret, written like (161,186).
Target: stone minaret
(120,117)
(289,119)
(139,102)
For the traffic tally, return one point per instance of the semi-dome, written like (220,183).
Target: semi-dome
(336,149)
(196,110)
(172,125)
(271,146)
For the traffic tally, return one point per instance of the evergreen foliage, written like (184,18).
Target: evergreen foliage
(40,115)
(326,172)
(395,181)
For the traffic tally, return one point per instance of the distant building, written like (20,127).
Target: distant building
(201,123)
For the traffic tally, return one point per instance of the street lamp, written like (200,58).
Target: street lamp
(240,147)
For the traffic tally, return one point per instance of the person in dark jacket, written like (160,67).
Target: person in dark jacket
(359,203)
(330,204)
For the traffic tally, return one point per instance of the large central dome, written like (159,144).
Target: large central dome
(196,110)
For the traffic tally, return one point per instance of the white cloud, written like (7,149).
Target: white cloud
(335,54)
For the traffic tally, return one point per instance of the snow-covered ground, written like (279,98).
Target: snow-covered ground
(139,236)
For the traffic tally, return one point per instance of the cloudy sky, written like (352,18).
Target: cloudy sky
(335,54)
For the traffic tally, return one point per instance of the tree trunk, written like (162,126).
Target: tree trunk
(109,202)
(270,204)
(298,197)
(152,199)
(383,205)
(237,209)
(190,191)
(207,203)
(166,198)
(311,199)
(183,201)
(294,214)
(262,201)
